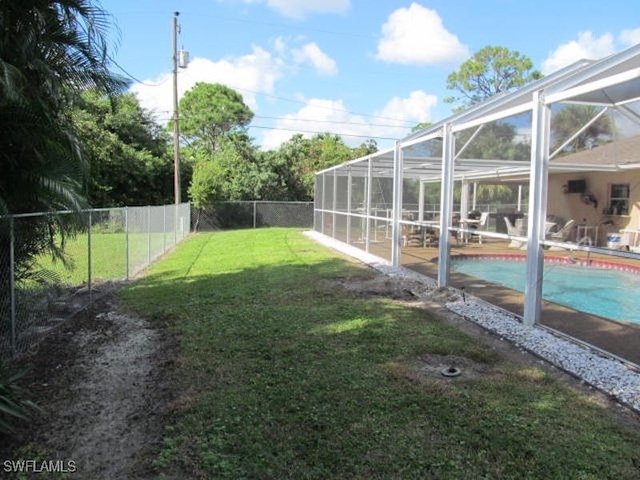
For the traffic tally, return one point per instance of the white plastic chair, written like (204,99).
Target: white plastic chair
(512,230)
(563,234)
(482,225)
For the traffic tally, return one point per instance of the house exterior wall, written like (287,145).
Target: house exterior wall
(571,205)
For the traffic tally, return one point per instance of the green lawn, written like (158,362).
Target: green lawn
(289,376)
(108,256)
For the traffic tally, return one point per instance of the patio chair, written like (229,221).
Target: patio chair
(512,230)
(548,226)
(481,225)
(563,234)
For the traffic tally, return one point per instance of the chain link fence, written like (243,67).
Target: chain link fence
(38,292)
(252,214)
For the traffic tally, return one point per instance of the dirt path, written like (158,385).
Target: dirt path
(104,381)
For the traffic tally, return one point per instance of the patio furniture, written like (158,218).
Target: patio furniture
(478,225)
(520,230)
(482,225)
(563,234)
(420,234)
(587,234)
(548,226)
(513,230)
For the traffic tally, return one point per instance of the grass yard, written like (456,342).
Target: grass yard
(287,375)
(108,256)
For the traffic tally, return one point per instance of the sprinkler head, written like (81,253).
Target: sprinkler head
(451,372)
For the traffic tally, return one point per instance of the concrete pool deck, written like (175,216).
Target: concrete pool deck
(618,338)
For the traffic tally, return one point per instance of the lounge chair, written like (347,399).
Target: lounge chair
(563,234)
(548,226)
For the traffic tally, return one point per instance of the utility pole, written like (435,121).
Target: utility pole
(176,125)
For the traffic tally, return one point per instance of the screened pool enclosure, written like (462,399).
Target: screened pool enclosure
(501,176)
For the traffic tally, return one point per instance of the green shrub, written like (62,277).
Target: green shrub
(14,402)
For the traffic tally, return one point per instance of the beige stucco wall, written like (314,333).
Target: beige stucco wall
(571,205)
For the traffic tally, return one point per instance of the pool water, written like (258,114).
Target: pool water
(599,291)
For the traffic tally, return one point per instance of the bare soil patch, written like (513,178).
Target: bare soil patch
(104,382)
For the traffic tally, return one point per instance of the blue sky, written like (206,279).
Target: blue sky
(357,68)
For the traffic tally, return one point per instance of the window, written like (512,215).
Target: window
(619,199)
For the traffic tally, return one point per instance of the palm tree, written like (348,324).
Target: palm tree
(571,118)
(50,51)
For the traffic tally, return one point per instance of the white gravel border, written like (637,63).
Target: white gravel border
(607,374)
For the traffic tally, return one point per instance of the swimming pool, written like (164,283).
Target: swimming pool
(605,292)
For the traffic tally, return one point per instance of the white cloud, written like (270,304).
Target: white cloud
(249,74)
(302,8)
(589,47)
(415,35)
(279,45)
(319,115)
(311,53)
(630,37)
(414,108)
(393,121)
(586,47)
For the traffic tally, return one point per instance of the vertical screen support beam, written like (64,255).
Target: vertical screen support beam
(367,206)
(446,206)
(421,202)
(334,203)
(539,177)
(397,205)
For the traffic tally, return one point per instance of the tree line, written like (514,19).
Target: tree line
(131,156)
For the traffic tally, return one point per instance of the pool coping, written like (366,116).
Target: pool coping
(554,259)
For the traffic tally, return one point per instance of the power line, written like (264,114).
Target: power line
(329,121)
(320,132)
(264,127)
(122,69)
(279,26)
(408,122)
(309,120)
(301,102)
(289,100)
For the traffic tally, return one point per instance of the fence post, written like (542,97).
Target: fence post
(12,286)
(126,240)
(89,260)
(149,235)
(254,213)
